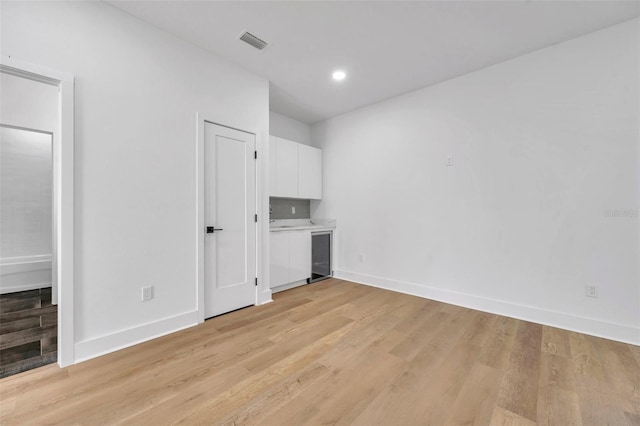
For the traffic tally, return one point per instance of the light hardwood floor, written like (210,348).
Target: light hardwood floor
(336,352)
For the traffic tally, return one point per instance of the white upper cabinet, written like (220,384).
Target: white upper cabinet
(295,170)
(273,166)
(287,168)
(309,172)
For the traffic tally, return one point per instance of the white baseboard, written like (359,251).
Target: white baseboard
(608,330)
(25,273)
(289,286)
(264,297)
(93,348)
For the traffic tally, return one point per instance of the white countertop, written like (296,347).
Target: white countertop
(298,224)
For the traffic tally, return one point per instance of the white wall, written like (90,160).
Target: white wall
(137,94)
(26,172)
(26,183)
(26,190)
(28,103)
(288,128)
(542,198)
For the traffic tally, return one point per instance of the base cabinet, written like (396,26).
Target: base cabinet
(290,253)
(279,253)
(299,255)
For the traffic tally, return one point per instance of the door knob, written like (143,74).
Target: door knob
(211,229)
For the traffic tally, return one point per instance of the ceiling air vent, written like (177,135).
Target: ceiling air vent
(252,40)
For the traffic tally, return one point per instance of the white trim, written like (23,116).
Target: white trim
(25,287)
(200,216)
(289,286)
(608,330)
(133,336)
(266,300)
(4,261)
(25,273)
(262,295)
(263,291)
(34,71)
(65,240)
(63,198)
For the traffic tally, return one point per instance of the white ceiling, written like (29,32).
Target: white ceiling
(387,48)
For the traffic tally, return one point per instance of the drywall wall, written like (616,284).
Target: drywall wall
(28,103)
(26,178)
(137,93)
(26,172)
(541,199)
(288,128)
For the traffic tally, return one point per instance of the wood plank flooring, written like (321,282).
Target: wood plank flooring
(28,331)
(336,352)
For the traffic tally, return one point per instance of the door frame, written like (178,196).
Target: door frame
(201,119)
(62,250)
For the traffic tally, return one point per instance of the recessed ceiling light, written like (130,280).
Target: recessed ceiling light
(339,75)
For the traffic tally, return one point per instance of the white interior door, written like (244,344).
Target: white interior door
(230,207)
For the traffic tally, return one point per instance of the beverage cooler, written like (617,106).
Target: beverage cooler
(321,255)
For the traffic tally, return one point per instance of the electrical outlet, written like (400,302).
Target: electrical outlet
(591,290)
(293,210)
(147,293)
(361,258)
(449,161)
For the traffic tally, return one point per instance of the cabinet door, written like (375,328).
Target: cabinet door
(309,172)
(299,255)
(279,258)
(286,168)
(273,166)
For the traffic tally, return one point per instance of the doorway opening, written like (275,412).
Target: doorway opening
(227,227)
(230,225)
(36,232)
(29,314)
